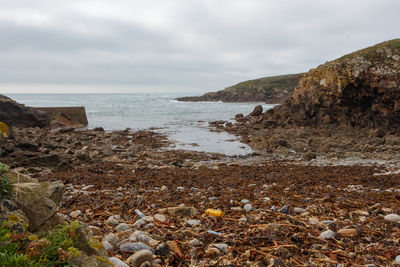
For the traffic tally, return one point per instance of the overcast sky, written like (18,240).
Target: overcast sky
(178,45)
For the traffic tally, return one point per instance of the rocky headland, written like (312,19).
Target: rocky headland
(346,108)
(271,90)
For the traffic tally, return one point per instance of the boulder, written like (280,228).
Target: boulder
(15,114)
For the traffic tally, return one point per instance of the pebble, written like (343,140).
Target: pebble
(299,210)
(135,246)
(112,239)
(148,226)
(148,219)
(140,258)
(138,224)
(248,207)
(112,221)
(273,208)
(139,213)
(328,234)
(85,188)
(245,201)
(117,262)
(163,250)
(107,246)
(347,232)
(122,227)
(284,209)
(180,188)
(95,230)
(212,198)
(266,199)
(75,214)
(243,219)
(163,188)
(222,247)
(160,217)
(392,217)
(397,259)
(195,242)
(192,223)
(236,209)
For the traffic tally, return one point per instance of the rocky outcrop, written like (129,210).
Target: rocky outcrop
(272,90)
(360,90)
(65,116)
(18,115)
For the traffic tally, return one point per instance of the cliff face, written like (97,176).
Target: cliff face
(15,114)
(271,90)
(361,90)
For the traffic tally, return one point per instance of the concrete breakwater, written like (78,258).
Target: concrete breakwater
(65,116)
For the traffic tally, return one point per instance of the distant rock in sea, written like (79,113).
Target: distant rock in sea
(271,90)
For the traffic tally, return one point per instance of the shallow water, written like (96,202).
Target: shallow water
(180,120)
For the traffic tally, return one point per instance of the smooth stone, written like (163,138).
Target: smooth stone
(195,242)
(135,246)
(328,234)
(86,188)
(140,258)
(245,201)
(236,209)
(347,232)
(273,208)
(117,217)
(148,226)
(222,247)
(212,198)
(180,188)
(243,219)
(160,217)
(112,221)
(148,219)
(122,227)
(138,224)
(139,213)
(107,246)
(163,250)
(75,214)
(163,188)
(117,262)
(392,217)
(143,238)
(284,209)
(192,223)
(266,199)
(299,210)
(397,259)
(112,239)
(95,230)
(248,207)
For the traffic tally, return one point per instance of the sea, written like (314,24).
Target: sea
(186,123)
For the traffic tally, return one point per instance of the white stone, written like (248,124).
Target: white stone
(160,217)
(392,217)
(75,214)
(248,207)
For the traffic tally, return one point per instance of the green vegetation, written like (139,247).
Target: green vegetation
(371,54)
(5,187)
(18,248)
(268,85)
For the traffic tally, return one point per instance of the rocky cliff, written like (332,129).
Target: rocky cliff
(272,90)
(361,90)
(18,115)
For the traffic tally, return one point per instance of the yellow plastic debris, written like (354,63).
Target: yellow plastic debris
(3,129)
(215,213)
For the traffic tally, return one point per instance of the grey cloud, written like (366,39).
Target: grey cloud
(200,45)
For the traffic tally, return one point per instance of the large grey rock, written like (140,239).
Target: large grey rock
(140,258)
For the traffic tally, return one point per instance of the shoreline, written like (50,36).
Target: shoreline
(292,202)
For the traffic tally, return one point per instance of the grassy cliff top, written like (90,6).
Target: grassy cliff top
(372,53)
(282,82)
